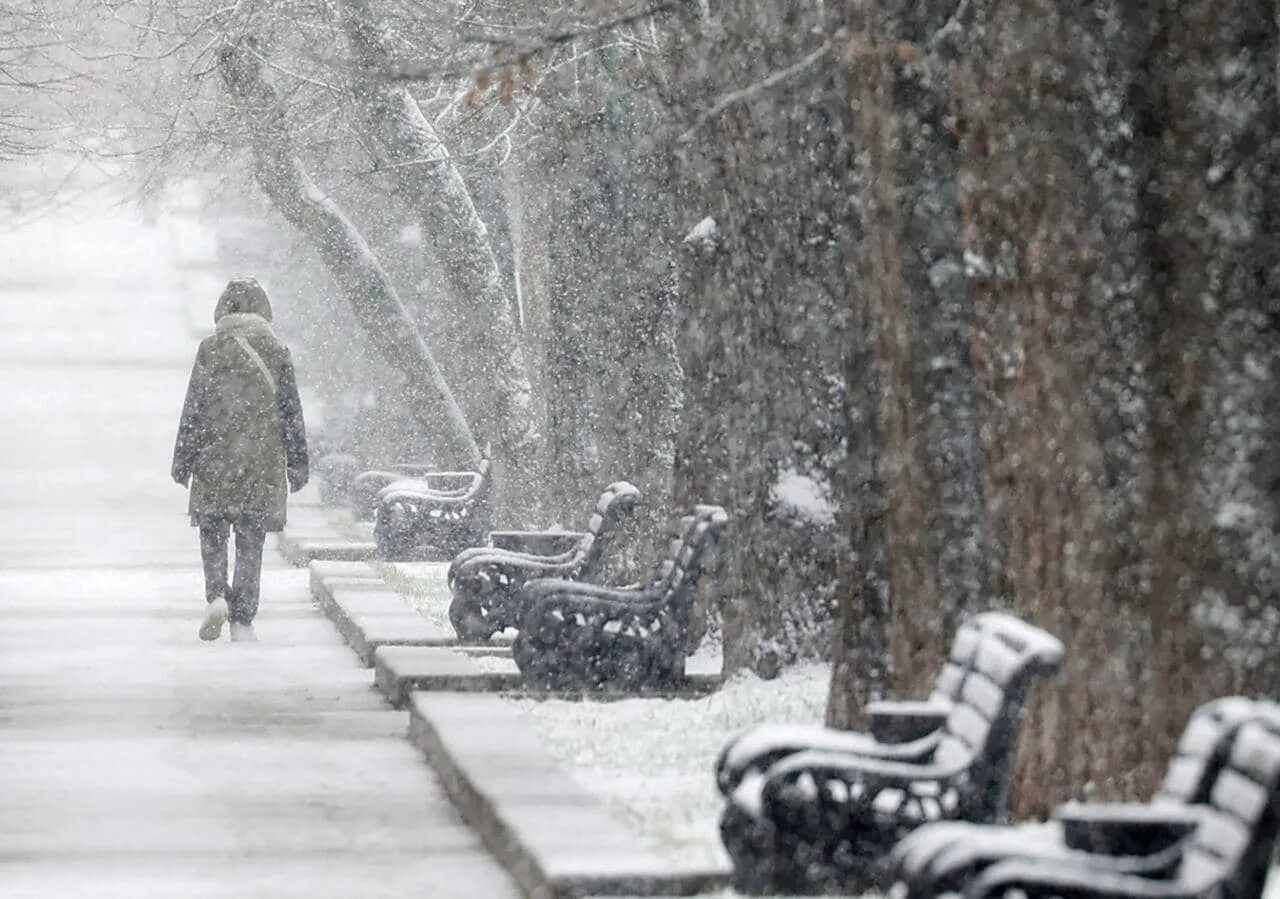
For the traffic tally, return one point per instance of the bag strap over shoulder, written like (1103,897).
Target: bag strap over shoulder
(257,360)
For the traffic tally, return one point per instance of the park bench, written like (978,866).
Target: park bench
(822,819)
(1226,852)
(899,730)
(486,580)
(433,516)
(1121,837)
(585,636)
(367,486)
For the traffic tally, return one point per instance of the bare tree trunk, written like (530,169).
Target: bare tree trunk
(490,373)
(1119,163)
(862,657)
(341,248)
(594,209)
(1053,179)
(1206,101)
(763,330)
(910,277)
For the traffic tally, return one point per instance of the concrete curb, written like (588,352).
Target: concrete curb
(301,550)
(310,535)
(555,838)
(400,670)
(368,613)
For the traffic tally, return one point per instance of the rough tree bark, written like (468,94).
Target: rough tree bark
(1054,180)
(1117,170)
(593,223)
(485,357)
(1208,116)
(763,170)
(912,293)
(1123,161)
(353,265)
(861,658)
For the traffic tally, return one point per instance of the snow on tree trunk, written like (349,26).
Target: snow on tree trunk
(862,657)
(489,370)
(1209,112)
(342,249)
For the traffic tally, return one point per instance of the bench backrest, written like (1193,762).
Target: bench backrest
(676,584)
(998,665)
(694,539)
(617,500)
(461,485)
(449,487)
(675,581)
(1202,750)
(1231,847)
(964,645)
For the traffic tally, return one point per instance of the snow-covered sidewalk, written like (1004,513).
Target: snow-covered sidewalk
(136,761)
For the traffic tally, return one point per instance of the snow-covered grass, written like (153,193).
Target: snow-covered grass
(652,760)
(423,584)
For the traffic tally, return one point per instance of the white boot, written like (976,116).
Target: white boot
(215,616)
(242,633)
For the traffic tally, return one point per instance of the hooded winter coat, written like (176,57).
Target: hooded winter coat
(241,440)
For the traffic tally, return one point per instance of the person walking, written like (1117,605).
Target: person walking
(241,442)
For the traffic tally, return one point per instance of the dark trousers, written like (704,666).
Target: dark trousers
(242,593)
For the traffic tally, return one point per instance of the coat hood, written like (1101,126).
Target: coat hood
(243,296)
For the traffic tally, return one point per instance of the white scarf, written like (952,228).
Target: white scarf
(243,324)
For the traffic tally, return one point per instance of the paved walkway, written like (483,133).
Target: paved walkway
(136,761)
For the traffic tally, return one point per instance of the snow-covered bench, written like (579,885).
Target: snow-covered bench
(1227,849)
(486,580)
(899,730)
(583,636)
(367,486)
(823,818)
(1120,837)
(433,515)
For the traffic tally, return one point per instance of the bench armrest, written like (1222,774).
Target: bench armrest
(449,480)
(902,722)
(865,777)
(1123,828)
(536,543)
(409,469)
(1060,877)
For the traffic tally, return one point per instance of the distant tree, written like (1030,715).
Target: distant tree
(377,306)
(476,316)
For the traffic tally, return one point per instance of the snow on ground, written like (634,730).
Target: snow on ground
(135,759)
(653,759)
(424,584)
